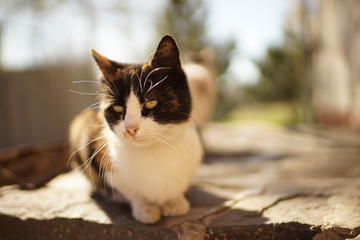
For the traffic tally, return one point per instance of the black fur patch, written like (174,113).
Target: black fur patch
(172,94)
(162,79)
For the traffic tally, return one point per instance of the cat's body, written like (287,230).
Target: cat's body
(142,144)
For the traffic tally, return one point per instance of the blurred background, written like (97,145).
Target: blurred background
(289,62)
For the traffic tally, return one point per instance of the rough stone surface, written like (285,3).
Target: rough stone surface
(257,182)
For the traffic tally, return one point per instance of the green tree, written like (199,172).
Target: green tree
(281,73)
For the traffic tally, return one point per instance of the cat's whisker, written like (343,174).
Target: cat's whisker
(154,70)
(101,168)
(87,81)
(142,71)
(84,93)
(170,134)
(112,185)
(106,164)
(106,96)
(106,85)
(167,137)
(151,83)
(165,143)
(99,83)
(151,86)
(81,148)
(139,79)
(99,94)
(148,56)
(103,162)
(115,91)
(92,180)
(88,162)
(111,171)
(141,74)
(111,91)
(93,106)
(170,140)
(107,161)
(101,147)
(163,138)
(86,165)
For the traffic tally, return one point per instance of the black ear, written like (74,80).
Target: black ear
(167,53)
(108,68)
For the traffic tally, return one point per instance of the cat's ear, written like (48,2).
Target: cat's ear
(167,53)
(108,68)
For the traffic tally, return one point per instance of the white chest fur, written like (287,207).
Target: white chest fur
(159,172)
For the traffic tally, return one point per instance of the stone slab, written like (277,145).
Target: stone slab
(286,185)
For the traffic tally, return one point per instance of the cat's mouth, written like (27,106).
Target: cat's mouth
(137,140)
(131,138)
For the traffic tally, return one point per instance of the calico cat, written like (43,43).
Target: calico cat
(142,144)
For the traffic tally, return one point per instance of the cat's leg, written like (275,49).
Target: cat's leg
(145,212)
(175,207)
(142,210)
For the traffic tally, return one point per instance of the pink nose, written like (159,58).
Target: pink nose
(132,129)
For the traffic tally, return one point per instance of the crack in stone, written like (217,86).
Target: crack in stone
(292,196)
(197,228)
(216,211)
(188,229)
(230,203)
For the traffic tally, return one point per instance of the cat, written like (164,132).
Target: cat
(142,144)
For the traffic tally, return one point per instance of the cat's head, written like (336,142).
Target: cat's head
(146,103)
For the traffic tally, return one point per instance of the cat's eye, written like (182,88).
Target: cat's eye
(118,109)
(151,104)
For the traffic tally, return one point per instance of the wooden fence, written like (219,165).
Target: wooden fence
(37,106)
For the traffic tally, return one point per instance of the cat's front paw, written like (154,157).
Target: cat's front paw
(148,214)
(176,207)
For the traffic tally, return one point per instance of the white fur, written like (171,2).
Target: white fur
(157,164)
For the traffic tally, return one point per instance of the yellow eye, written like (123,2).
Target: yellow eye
(118,109)
(151,104)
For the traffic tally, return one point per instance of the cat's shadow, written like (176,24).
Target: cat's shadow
(203,204)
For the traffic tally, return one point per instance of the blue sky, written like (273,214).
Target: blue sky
(254,24)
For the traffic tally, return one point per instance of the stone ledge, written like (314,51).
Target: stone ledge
(278,193)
